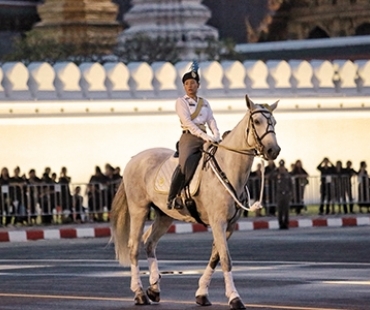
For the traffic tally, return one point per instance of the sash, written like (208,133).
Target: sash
(197,110)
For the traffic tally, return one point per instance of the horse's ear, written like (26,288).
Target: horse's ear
(249,102)
(274,105)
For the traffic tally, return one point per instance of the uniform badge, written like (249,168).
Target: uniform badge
(193,74)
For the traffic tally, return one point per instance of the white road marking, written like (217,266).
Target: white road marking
(11,267)
(120,299)
(347,282)
(110,262)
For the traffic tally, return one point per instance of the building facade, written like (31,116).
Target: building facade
(16,17)
(84,22)
(307,19)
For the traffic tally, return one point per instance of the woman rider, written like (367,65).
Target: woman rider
(194,113)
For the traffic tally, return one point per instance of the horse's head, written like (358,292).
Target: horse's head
(261,129)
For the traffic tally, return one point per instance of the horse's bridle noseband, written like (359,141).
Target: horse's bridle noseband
(259,149)
(269,129)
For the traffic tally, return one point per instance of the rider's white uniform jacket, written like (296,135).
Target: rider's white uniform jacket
(185,106)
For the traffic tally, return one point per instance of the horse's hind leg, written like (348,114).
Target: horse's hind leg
(138,216)
(151,237)
(201,295)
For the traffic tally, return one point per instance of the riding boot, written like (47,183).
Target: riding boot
(177,184)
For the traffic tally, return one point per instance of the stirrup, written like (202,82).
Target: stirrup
(175,203)
(178,203)
(170,204)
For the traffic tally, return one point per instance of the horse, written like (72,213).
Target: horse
(254,134)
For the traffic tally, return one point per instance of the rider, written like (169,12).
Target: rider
(194,113)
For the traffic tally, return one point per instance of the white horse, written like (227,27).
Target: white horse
(255,133)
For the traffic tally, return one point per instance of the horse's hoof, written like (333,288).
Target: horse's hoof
(141,300)
(237,304)
(153,295)
(202,300)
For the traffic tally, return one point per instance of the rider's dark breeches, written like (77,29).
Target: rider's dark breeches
(190,153)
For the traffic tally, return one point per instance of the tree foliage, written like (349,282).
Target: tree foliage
(35,47)
(145,48)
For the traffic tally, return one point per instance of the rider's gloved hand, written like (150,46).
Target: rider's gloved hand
(217,138)
(207,138)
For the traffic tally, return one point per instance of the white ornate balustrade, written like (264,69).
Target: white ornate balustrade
(138,80)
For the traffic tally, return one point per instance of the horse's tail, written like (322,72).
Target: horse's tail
(120,220)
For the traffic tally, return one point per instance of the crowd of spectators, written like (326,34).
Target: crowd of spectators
(25,198)
(299,182)
(336,187)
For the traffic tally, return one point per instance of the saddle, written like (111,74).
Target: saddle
(163,178)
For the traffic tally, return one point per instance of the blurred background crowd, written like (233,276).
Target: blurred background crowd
(51,198)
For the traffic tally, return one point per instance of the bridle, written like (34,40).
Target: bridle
(258,150)
(269,129)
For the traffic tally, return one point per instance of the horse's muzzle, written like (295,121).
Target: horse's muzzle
(273,152)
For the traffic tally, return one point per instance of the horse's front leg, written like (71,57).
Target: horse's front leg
(201,295)
(220,241)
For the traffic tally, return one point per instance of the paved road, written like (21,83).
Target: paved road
(305,269)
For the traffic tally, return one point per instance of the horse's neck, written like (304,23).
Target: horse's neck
(236,166)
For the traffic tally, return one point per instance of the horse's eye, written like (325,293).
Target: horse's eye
(257,122)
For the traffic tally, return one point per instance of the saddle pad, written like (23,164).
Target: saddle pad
(163,178)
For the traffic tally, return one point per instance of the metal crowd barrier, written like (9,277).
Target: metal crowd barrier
(58,203)
(340,193)
(44,203)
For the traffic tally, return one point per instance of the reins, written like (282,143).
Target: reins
(248,152)
(221,176)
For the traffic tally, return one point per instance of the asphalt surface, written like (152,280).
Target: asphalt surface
(305,269)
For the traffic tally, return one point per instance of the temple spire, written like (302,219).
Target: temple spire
(86,22)
(183,21)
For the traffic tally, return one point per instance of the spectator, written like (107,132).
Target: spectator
(96,191)
(45,204)
(64,176)
(339,193)
(46,176)
(111,181)
(363,188)
(284,188)
(117,177)
(55,203)
(34,191)
(6,207)
(117,173)
(49,197)
(270,188)
(18,195)
(65,193)
(77,208)
(54,178)
(300,181)
(348,173)
(326,192)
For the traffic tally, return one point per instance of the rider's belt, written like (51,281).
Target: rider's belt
(201,127)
